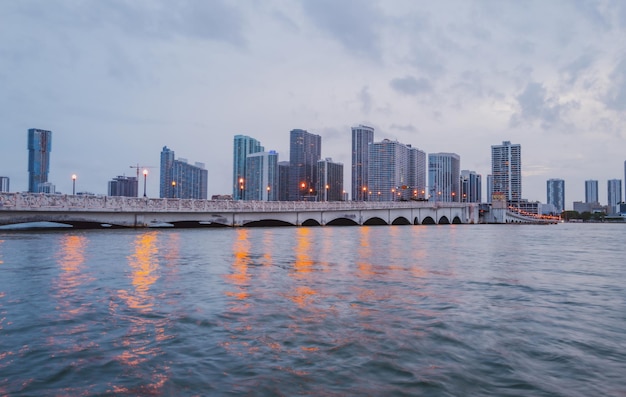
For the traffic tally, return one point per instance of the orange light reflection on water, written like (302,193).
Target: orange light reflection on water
(141,343)
(239,275)
(71,260)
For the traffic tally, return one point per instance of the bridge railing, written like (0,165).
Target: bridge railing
(57,202)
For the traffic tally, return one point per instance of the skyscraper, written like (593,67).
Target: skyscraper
(180,179)
(591,192)
(262,177)
(329,180)
(4,184)
(556,194)
(395,172)
(444,176)
(362,136)
(39,147)
(243,146)
(506,169)
(614,190)
(305,149)
(123,186)
(471,187)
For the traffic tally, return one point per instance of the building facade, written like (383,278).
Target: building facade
(614,191)
(261,178)
(243,145)
(126,186)
(591,191)
(444,177)
(329,180)
(283,180)
(305,150)
(180,179)
(395,172)
(4,184)
(556,194)
(506,171)
(39,148)
(362,137)
(471,187)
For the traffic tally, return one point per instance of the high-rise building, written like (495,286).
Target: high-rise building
(283,180)
(556,194)
(242,147)
(489,187)
(261,178)
(305,150)
(362,136)
(4,184)
(329,180)
(591,191)
(39,147)
(444,176)
(614,190)
(180,179)
(506,169)
(126,186)
(417,173)
(395,172)
(471,187)
(624,178)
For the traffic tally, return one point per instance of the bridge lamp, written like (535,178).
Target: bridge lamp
(241,188)
(173,189)
(73,184)
(145,177)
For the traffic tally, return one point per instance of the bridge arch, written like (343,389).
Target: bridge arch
(444,220)
(342,222)
(375,221)
(401,221)
(311,222)
(456,221)
(267,223)
(429,221)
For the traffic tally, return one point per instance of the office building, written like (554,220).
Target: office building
(395,172)
(242,147)
(614,190)
(556,194)
(362,137)
(591,192)
(262,177)
(180,179)
(4,184)
(471,187)
(46,187)
(444,176)
(126,186)
(283,180)
(329,180)
(39,147)
(506,170)
(489,188)
(305,150)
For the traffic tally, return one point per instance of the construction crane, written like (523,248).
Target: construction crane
(141,167)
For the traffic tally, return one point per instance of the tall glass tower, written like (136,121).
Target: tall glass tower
(362,136)
(614,193)
(556,194)
(305,150)
(39,147)
(506,170)
(591,191)
(262,177)
(444,177)
(243,146)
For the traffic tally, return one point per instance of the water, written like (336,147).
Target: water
(451,310)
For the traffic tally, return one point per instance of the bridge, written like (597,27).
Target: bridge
(137,212)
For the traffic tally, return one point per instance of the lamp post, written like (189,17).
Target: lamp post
(327,187)
(173,189)
(145,178)
(268,192)
(73,184)
(240,188)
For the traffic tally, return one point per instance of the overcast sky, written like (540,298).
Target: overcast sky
(117,80)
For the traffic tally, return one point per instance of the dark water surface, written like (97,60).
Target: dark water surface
(449,310)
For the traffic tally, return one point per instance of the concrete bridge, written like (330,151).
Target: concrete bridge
(104,211)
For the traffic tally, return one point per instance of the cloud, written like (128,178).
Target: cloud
(536,106)
(365,99)
(615,98)
(409,85)
(406,127)
(354,24)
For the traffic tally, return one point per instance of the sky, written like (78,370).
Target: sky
(117,80)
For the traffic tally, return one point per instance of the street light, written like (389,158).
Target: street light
(73,184)
(327,187)
(240,188)
(173,189)
(145,177)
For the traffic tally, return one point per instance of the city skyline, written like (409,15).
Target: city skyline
(456,76)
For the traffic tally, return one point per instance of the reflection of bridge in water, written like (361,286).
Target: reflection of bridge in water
(99,211)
